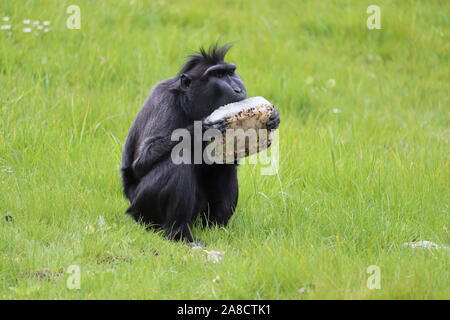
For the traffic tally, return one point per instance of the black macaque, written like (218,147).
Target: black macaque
(171,196)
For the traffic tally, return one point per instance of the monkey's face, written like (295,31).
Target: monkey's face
(216,86)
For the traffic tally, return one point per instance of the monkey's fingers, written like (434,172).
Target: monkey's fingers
(274,120)
(220,125)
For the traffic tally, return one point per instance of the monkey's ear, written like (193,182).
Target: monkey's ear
(185,81)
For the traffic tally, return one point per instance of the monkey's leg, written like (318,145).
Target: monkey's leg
(184,204)
(167,197)
(221,187)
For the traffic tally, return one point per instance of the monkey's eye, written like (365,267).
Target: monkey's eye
(223,73)
(220,74)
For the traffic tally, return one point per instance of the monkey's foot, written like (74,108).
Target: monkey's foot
(197,243)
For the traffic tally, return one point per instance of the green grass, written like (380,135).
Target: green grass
(353,186)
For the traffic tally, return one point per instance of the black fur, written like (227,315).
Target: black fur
(171,196)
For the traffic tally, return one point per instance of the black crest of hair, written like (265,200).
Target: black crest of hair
(167,194)
(211,56)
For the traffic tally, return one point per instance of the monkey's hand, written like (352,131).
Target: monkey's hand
(220,125)
(274,120)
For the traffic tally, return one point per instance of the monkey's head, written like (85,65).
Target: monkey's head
(208,82)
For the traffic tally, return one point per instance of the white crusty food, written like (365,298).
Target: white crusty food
(251,115)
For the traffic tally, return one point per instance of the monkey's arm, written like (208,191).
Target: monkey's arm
(153,149)
(150,151)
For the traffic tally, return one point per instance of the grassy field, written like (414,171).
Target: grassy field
(364,150)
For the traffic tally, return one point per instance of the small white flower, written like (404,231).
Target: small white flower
(6,169)
(101,221)
(425,245)
(89,229)
(47,29)
(46,23)
(309,80)
(5,27)
(336,110)
(26,21)
(26,30)
(36,22)
(40,27)
(5,18)
(331,83)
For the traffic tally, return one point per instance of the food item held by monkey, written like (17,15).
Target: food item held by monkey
(246,129)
